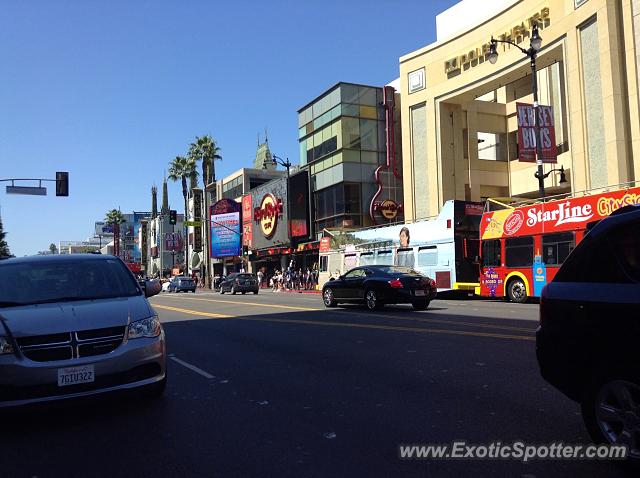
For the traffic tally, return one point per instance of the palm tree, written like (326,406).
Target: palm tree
(53,248)
(114,217)
(180,169)
(206,150)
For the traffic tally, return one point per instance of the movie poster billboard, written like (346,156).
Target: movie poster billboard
(225,229)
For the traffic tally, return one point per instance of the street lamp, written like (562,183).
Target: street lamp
(532,52)
(563,177)
(287,164)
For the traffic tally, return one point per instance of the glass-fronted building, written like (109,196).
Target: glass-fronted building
(343,141)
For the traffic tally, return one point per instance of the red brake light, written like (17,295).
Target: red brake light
(432,283)
(396,283)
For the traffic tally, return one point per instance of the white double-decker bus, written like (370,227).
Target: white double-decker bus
(444,248)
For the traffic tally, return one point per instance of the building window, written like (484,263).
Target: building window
(416,80)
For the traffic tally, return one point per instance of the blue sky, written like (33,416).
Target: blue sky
(111,91)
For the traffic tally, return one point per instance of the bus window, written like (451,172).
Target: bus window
(367,258)
(556,247)
(519,252)
(491,253)
(384,258)
(427,256)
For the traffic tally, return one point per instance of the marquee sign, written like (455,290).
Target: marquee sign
(267,214)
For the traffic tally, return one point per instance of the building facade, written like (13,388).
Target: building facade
(459,110)
(343,136)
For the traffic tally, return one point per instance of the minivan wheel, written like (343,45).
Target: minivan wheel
(371,299)
(328,298)
(611,412)
(517,291)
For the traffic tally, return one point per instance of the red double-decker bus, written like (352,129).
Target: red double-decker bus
(522,247)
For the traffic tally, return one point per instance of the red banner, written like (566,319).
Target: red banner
(555,216)
(325,244)
(247,208)
(527,133)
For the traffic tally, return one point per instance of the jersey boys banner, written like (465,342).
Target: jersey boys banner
(555,216)
(527,133)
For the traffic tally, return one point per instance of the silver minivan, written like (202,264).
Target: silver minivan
(76,325)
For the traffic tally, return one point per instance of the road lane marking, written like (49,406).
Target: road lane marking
(346,311)
(363,326)
(256,304)
(193,312)
(451,322)
(193,368)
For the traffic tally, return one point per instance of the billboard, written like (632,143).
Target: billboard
(247,218)
(197,216)
(299,194)
(103,229)
(225,228)
(527,133)
(270,214)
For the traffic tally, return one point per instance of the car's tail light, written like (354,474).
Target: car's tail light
(431,283)
(396,283)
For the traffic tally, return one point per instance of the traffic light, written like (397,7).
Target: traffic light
(62,183)
(173,217)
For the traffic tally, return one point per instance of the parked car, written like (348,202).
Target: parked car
(182,284)
(76,325)
(376,286)
(239,282)
(588,341)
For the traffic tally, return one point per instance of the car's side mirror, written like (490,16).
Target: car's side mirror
(151,288)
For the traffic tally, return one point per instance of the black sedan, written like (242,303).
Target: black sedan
(588,342)
(376,286)
(239,282)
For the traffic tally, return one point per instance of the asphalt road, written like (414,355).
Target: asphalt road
(277,385)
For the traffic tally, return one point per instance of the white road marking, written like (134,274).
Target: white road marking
(193,368)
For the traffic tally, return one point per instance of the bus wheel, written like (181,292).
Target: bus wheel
(517,291)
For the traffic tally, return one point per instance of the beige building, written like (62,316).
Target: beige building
(459,111)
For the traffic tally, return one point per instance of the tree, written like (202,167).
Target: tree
(53,248)
(181,169)
(205,149)
(114,218)
(4,247)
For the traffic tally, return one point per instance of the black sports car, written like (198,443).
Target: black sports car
(380,285)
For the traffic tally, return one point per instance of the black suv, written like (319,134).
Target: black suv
(588,342)
(239,282)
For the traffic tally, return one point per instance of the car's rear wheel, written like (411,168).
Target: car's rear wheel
(371,299)
(611,412)
(517,291)
(420,304)
(244,292)
(255,292)
(328,298)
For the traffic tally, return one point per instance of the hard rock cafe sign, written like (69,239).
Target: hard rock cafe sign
(388,208)
(267,214)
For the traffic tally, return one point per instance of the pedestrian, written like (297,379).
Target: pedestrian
(259,274)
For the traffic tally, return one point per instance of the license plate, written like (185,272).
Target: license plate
(74,375)
(420,292)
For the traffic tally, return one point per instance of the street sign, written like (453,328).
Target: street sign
(193,223)
(29,190)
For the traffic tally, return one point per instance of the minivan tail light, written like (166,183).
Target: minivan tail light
(396,283)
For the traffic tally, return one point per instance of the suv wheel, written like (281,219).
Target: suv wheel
(517,291)
(611,412)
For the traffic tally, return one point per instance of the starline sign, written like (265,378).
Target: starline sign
(565,215)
